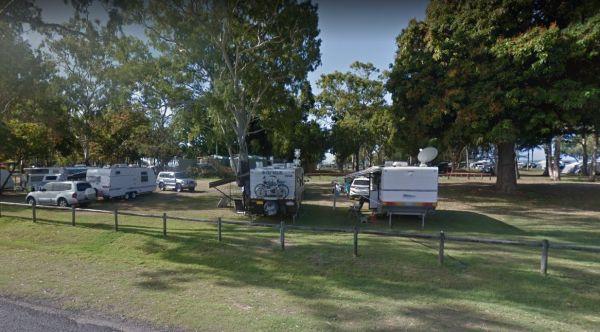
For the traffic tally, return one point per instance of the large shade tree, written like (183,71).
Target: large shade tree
(244,58)
(486,89)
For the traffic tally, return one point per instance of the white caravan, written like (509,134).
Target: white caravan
(121,181)
(39,176)
(276,189)
(403,190)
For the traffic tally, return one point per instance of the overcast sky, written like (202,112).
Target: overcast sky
(365,31)
(351,30)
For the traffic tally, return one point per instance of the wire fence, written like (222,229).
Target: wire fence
(441,238)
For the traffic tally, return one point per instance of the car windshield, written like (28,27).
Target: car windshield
(83,186)
(361,182)
(181,175)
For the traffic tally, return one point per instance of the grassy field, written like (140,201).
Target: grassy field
(190,280)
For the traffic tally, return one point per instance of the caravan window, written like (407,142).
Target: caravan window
(117,172)
(51,178)
(144,176)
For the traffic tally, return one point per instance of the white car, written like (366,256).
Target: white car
(63,194)
(176,181)
(359,188)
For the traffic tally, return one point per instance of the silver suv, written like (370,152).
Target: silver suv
(176,181)
(63,194)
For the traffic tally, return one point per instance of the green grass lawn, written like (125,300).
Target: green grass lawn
(190,280)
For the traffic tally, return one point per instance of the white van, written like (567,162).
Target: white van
(37,177)
(121,181)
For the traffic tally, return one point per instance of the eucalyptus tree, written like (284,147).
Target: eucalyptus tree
(244,58)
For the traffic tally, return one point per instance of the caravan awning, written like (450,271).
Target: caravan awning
(364,172)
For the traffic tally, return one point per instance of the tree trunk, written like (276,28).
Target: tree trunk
(594,156)
(356,161)
(517,165)
(584,167)
(547,152)
(555,170)
(506,177)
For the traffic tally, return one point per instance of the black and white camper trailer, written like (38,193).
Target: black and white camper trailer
(276,189)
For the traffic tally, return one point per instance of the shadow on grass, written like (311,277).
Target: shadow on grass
(319,272)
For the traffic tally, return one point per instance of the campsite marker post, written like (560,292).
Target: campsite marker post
(33,216)
(164,218)
(72,215)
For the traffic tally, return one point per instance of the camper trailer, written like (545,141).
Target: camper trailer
(403,190)
(276,189)
(121,181)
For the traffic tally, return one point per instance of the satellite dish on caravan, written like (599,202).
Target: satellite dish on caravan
(426,155)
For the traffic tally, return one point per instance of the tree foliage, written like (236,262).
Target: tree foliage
(354,104)
(499,72)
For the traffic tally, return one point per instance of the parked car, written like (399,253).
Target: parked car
(444,167)
(359,188)
(64,193)
(177,181)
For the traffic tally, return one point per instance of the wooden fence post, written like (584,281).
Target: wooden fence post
(219,229)
(0,209)
(72,215)
(441,251)
(33,216)
(355,241)
(282,235)
(164,224)
(544,261)
(116,213)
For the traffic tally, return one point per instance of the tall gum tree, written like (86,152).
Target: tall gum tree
(243,57)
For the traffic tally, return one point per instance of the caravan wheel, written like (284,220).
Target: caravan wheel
(133,195)
(126,196)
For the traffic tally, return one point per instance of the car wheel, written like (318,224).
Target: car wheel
(62,202)
(132,195)
(178,188)
(192,189)
(161,186)
(31,201)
